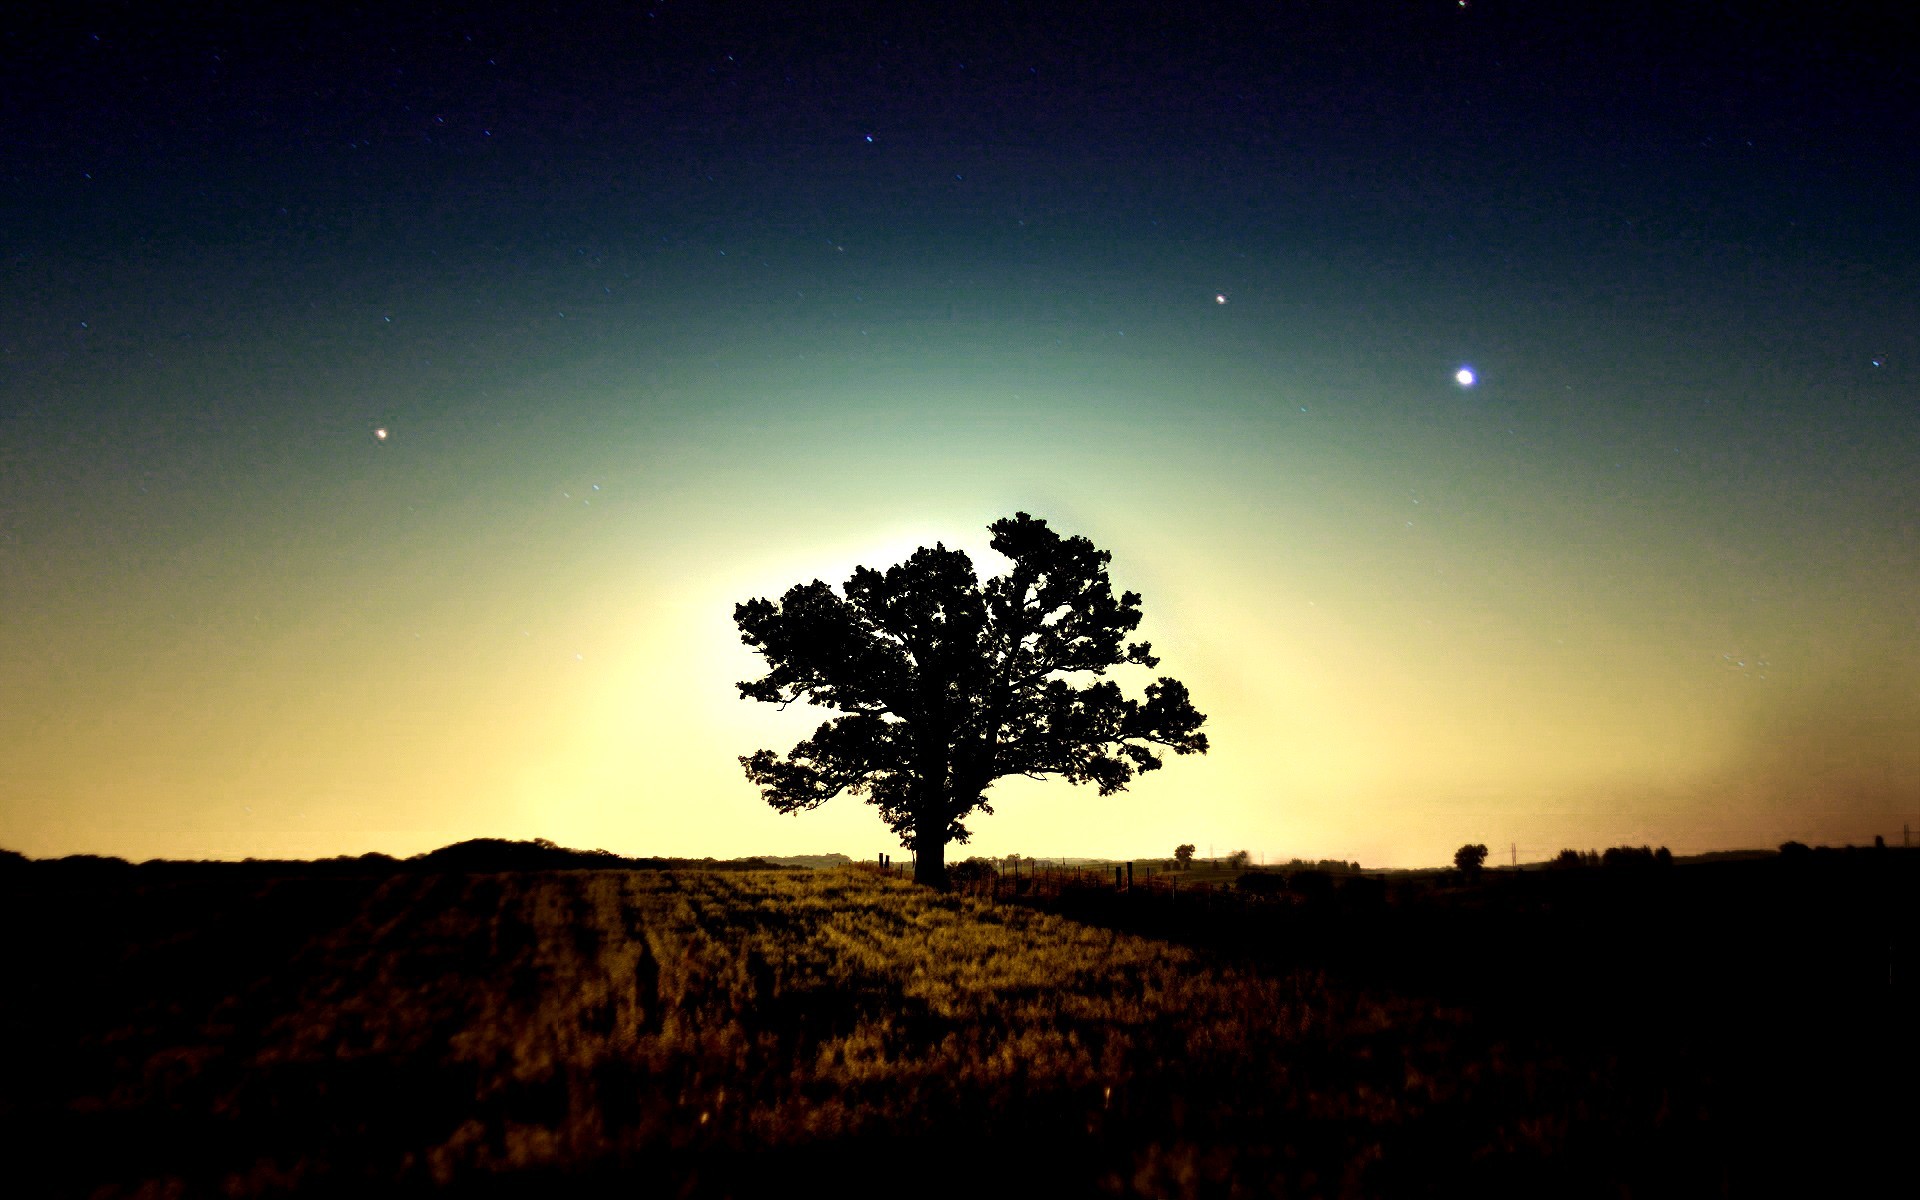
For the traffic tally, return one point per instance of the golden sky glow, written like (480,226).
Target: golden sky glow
(1406,632)
(371,501)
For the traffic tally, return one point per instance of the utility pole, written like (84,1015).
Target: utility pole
(1513,855)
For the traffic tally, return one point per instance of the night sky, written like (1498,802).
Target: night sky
(394,406)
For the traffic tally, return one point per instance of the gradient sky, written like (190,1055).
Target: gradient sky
(667,306)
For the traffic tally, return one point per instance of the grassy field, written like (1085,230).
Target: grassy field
(707,1033)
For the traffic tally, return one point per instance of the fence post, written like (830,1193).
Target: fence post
(1129,874)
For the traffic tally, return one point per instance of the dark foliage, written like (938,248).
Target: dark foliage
(1331,866)
(1261,883)
(1615,858)
(474,856)
(1469,859)
(1363,894)
(1759,1028)
(500,854)
(812,862)
(1311,885)
(85,865)
(947,683)
(1636,858)
(972,871)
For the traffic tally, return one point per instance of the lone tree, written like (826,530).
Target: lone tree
(1183,854)
(947,683)
(1470,858)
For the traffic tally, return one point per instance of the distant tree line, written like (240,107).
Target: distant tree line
(475,856)
(977,870)
(1241,860)
(1616,858)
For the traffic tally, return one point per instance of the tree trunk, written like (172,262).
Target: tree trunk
(930,852)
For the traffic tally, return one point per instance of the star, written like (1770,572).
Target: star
(380,434)
(1465,377)
(1219,297)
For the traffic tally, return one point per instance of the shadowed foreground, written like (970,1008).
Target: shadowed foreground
(723,1033)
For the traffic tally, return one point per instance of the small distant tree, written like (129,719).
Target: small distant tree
(1238,860)
(1183,854)
(1469,859)
(1013,862)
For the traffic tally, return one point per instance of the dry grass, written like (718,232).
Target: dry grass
(613,1017)
(719,1032)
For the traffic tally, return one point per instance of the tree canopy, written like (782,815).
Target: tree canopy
(946,683)
(1470,858)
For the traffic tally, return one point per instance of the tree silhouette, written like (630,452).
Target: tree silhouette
(1183,854)
(947,683)
(1470,858)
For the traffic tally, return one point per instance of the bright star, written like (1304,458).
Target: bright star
(1219,297)
(380,434)
(1464,377)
